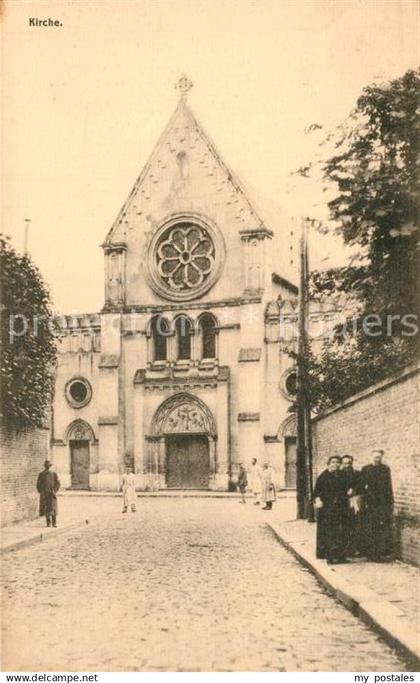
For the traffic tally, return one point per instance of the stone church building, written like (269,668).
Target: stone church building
(184,372)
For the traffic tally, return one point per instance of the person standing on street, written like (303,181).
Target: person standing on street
(352,513)
(378,503)
(330,500)
(268,492)
(242,482)
(256,480)
(128,488)
(47,486)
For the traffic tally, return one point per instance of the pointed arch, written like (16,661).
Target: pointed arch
(287,427)
(79,430)
(182,413)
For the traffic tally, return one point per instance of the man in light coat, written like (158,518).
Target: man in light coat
(268,492)
(128,488)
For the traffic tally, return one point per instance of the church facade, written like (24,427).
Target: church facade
(185,372)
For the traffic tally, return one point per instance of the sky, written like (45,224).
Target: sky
(84,104)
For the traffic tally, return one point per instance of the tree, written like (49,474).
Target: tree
(374,170)
(28,340)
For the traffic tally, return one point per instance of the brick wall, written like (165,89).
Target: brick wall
(384,416)
(22,454)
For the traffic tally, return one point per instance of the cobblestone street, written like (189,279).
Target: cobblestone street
(183,584)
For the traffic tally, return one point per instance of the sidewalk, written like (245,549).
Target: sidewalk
(28,532)
(386,596)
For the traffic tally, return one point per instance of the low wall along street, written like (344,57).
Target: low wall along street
(22,455)
(384,416)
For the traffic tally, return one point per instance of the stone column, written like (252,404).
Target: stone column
(109,457)
(212,461)
(140,445)
(161,459)
(171,347)
(195,347)
(253,257)
(221,449)
(149,348)
(115,273)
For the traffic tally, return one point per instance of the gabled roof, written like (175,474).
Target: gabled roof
(279,280)
(181,117)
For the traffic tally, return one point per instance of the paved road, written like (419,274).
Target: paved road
(184,584)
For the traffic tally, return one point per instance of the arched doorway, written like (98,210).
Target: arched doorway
(79,436)
(185,430)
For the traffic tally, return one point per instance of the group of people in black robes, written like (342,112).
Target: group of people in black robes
(354,510)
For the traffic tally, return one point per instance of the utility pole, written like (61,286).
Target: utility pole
(301,479)
(304,484)
(26,237)
(310,512)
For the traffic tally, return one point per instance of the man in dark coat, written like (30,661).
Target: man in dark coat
(378,503)
(242,482)
(330,498)
(352,479)
(47,486)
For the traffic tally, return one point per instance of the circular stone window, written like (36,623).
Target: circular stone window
(78,392)
(185,258)
(288,384)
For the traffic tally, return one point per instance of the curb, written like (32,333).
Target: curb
(40,537)
(149,494)
(381,616)
(284,495)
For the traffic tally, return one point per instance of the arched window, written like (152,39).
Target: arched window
(183,330)
(160,332)
(183,164)
(208,336)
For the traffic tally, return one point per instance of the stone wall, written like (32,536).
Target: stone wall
(384,416)
(22,455)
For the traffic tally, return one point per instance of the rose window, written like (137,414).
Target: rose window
(185,257)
